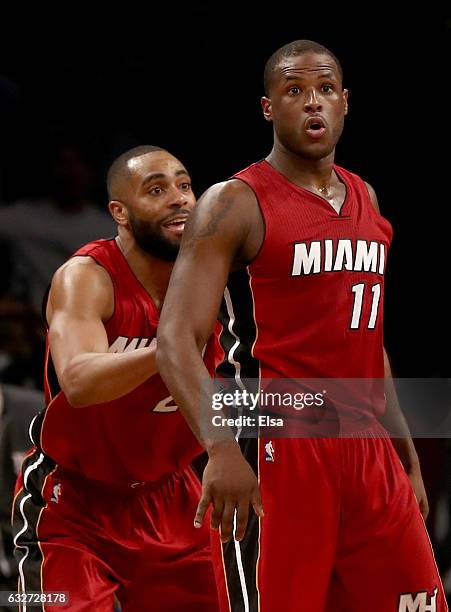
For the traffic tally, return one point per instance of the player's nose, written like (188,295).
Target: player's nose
(312,104)
(177,198)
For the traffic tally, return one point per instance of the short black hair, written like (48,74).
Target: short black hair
(119,170)
(293,49)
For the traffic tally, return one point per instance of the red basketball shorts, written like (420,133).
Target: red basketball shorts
(97,542)
(342,532)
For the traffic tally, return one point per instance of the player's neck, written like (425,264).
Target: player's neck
(153,273)
(303,171)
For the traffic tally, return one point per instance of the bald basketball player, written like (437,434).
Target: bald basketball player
(105,502)
(294,249)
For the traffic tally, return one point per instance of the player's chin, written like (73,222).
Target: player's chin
(174,243)
(173,234)
(316,149)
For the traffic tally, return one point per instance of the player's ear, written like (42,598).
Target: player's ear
(345,100)
(267,108)
(118,211)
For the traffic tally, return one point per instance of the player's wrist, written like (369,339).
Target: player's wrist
(220,447)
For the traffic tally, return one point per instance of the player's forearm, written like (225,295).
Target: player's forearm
(181,366)
(93,378)
(406,452)
(396,424)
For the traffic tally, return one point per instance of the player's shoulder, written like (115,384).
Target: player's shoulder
(232,189)
(373,196)
(357,179)
(229,204)
(224,214)
(82,270)
(81,287)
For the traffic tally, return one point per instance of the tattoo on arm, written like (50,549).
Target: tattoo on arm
(210,227)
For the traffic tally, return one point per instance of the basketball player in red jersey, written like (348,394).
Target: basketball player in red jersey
(294,249)
(104,505)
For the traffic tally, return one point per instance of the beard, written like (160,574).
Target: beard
(150,239)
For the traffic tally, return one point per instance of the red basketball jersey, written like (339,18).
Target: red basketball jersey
(310,305)
(138,437)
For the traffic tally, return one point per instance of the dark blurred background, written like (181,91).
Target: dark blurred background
(189,78)
(75,93)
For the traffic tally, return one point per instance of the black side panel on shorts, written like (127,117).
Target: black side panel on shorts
(27,508)
(239,332)
(240,558)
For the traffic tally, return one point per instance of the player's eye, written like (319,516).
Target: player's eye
(155,190)
(185,186)
(326,88)
(294,90)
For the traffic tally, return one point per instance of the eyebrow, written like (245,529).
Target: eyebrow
(160,175)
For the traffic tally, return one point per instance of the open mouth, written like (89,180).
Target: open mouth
(314,126)
(176,225)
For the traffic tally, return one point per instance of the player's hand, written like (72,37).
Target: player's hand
(229,484)
(416,480)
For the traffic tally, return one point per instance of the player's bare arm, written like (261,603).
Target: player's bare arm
(395,422)
(217,239)
(81,300)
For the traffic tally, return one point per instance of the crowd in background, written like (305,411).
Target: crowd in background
(37,234)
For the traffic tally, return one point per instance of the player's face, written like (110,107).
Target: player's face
(307,105)
(159,201)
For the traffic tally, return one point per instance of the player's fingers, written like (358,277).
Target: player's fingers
(256,502)
(227,521)
(202,509)
(216,515)
(242,516)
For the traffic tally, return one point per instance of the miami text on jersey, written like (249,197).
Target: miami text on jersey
(336,255)
(125,343)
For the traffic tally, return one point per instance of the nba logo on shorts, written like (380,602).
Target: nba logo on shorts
(56,493)
(407,603)
(269,452)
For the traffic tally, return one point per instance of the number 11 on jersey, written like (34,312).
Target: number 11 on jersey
(358,291)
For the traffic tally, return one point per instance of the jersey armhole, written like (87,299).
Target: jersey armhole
(249,263)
